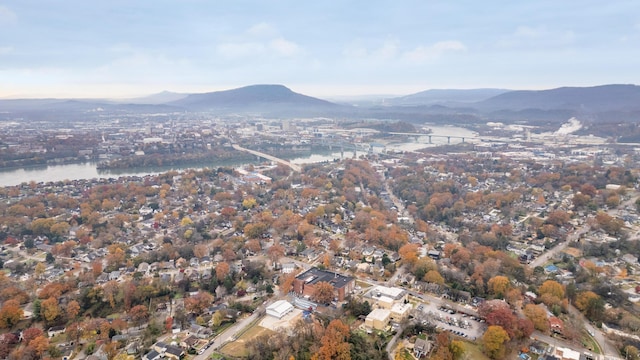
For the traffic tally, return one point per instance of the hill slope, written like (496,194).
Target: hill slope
(265,98)
(590,99)
(445,96)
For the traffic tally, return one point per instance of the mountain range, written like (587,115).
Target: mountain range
(603,103)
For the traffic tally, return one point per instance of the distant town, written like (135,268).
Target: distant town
(501,241)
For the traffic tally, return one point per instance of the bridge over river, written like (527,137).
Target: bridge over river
(293,167)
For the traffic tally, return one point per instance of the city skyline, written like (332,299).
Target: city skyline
(123,48)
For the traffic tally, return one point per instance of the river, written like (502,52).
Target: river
(89,171)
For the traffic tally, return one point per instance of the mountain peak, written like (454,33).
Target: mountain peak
(252,98)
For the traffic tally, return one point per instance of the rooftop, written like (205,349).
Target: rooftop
(315,275)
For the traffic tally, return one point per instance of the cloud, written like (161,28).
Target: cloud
(426,53)
(5,50)
(536,36)
(387,51)
(284,47)
(391,50)
(7,16)
(259,40)
(262,30)
(240,49)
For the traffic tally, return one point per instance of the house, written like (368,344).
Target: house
(434,254)
(279,309)
(174,352)
(114,275)
(56,330)
(556,325)
(537,348)
(304,284)
(200,332)
(550,269)
(288,268)
(421,348)
(189,342)
(566,354)
(151,355)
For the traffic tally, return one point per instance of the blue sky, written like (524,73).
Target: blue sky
(323,48)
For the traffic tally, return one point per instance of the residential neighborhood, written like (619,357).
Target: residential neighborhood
(498,249)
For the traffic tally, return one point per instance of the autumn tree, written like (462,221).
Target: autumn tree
(286,281)
(275,252)
(497,312)
(538,316)
(591,304)
(494,341)
(50,310)
(222,270)
(10,314)
(139,314)
(30,334)
(199,302)
(200,251)
(433,276)
(498,286)
(323,292)
(551,292)
(73,309)
(334,343)
(409,253)
(40,344)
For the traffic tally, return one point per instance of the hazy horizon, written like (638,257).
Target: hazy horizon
(123,49)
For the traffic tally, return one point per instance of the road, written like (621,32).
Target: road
(230,334)
(605,345)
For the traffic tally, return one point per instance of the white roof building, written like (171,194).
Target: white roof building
(279,309)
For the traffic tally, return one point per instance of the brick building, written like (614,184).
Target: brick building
(305,282)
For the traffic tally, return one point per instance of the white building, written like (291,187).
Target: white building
(279,309)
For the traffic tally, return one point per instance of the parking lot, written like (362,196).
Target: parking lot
(446,318)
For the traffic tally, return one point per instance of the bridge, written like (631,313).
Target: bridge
(293,167)
(430,136)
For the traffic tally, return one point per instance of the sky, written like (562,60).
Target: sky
(122,48)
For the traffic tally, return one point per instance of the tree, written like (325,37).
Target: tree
(493,342)
(286,281)
(40,344)
(552,288)
(591,304)
(73,309)
(323,293)
(497,312)
(30,334)
(433,276)
(199,302)
(217,318)
(249,203)
(10,314)
(538,316)
(139,314)
(409,253)
(39,270)
(222,270)
(50,310)
(457,349)
(498,286)
(631,352)
(334,345)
